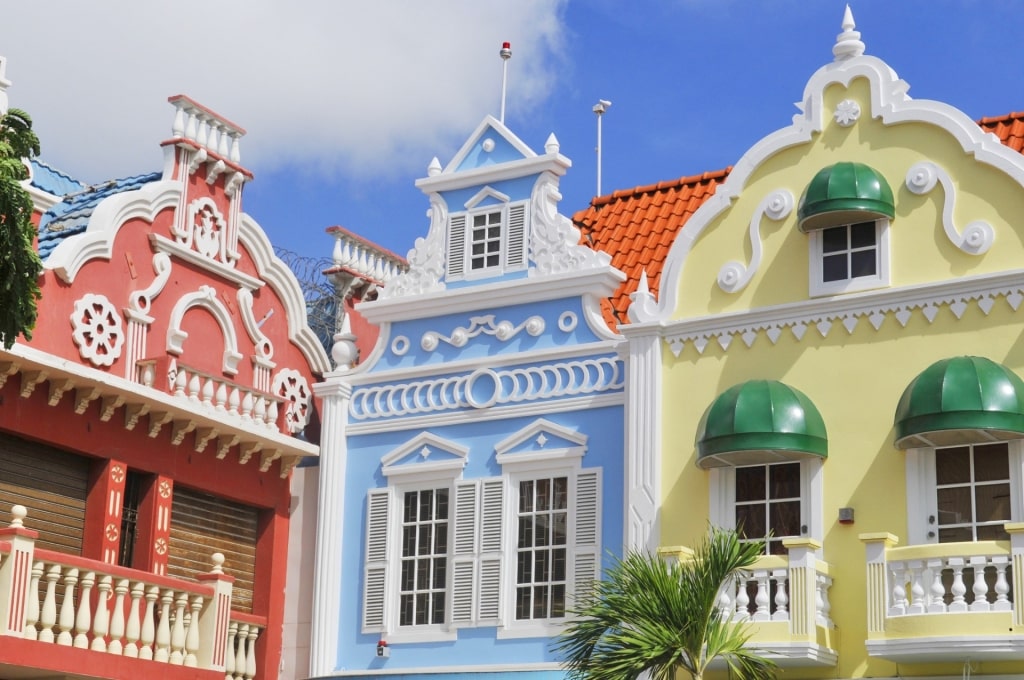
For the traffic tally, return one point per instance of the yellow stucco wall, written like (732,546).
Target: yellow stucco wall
(855,379)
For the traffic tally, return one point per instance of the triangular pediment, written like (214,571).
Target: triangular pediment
(425,453)
(490,144)
(540,440)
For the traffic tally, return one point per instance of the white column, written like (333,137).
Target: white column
(327,606)
(642,462)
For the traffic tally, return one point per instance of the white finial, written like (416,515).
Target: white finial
(4,84)
(643,288)
(434,169)
(218,563)
(18,514)
(848,43)
(551,146)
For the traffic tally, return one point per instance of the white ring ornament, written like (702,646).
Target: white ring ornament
(400,345)
(978,236)
(567,322)
(734,276)
(483,388)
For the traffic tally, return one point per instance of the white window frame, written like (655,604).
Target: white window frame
(460,246)
(819,287)
(922,501)
(723,496)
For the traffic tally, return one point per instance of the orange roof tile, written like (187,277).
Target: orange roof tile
(638,226)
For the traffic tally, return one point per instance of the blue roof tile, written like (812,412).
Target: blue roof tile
(71,216)
(52,180)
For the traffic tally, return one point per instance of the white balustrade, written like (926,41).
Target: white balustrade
(950,584)
(218,395)
(240,662)
(365,259)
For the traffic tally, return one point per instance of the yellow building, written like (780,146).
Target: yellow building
(832,362)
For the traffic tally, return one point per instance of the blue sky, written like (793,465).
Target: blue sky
(346,103)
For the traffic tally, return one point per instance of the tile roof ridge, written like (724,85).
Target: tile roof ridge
(1013,115)
(664,185)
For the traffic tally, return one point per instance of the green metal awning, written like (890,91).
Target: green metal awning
(760,421)
(844,193)
(958,401)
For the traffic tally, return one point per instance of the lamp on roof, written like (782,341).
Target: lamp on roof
(506,54)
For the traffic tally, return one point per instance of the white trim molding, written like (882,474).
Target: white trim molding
(978,236)
(205,297)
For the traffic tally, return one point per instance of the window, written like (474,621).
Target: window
(424,557)
(849,257)
(768,504)
(129,517)
(487,242)
(963,493)
(541,548)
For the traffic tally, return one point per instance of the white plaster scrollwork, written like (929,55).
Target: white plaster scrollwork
(205,297)
(554,240)
(488,388)
(141,300)
(734,276)
(291,386)
(978,236)
(264,347)
(206,232)
(847,113)
(97,330)
(400,345)
(503,331)
(426,259)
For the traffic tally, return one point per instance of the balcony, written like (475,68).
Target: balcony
(62,613)
(785,602)
(945,602)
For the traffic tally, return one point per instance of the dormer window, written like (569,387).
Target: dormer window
(845,210)
(487,240)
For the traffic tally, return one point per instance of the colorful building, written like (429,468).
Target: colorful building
(470,479)
(149,429)
(833,363)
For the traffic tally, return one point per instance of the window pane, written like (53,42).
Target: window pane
(524,574)
(992,532)
(408,541)
(522,603)
(526,496)
(750,521)
(441,539)
(558,564)
(426,505)
(953,465)
(438,612)
(478,248)
(424,540)
(955,505)
(410,507)
(991,462)
(408,574)
(862,235)
(543,494)
(540,602)
(541,536)
(785,480)
(422,601)
(833,239)
(492,260)
(405,611)
(422,574)
(785,519)
(479,221)
(955,535)
(561,493)
(558,528)
(833,268)
(750,484)
(557,601)
(442,504)
(525,532)
(862,263)
(541,565)
(993,502)
(440,572)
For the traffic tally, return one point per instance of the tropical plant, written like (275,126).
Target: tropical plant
(19,262)
(651,615)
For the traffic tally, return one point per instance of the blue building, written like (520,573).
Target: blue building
(472,469)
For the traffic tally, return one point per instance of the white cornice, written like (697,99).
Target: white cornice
(552,162)
(162,244)
(847,310)
(959,648)
(600,282)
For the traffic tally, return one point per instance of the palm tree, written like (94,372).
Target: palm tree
(19,262)
(649,615)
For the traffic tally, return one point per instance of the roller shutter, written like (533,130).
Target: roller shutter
(52,484)
(202,524)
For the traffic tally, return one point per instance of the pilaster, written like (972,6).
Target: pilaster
(642,462)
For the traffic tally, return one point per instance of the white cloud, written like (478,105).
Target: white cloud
(368,87)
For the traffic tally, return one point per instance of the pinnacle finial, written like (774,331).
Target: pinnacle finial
(848,43)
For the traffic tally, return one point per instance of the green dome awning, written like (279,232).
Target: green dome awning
(844,193)
(958,401)
(760,421)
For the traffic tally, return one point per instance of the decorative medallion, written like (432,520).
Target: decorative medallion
(847,113)
(160,546)
(117,474)
(400,345)
(112,532)
(164,489)
(97,330)
(298,399)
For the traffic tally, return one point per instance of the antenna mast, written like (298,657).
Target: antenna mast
(599,108)
(506,54)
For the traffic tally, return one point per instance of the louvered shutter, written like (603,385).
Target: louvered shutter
(52,485)
(464,553)
(491,550)
(588,532)
(516,249)
(374,585)
(456,246)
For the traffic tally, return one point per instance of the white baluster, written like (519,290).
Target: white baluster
(234,401)
(937,591)
(761,598)
(247,404)
(221,397)
(67,608)
(959,604)
(48,617)
(178,631)
(117,621)
(1002,587)
(149,624)
(180,380)
(899,594)
(178,126)
(229,655)
(32,603)
(192,636)
(725,601)
(979,588)
(235,154)
(163,628)
(742,601)
(915,576)
(820,599)
(191,128)
(101,621)
(240,654)
(194,386)
(203,129)
(259,413)
(207,395)
(84,618)
(250,657)
(781,578)
(272,415)
(134,627)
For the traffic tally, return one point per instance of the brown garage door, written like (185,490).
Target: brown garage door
(52,484)
(202,524)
